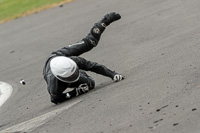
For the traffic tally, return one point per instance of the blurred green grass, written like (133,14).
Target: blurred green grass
(12,9)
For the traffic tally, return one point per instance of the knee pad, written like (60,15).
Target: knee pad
(95,33)
(97,30)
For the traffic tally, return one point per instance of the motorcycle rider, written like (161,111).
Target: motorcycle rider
(65,69)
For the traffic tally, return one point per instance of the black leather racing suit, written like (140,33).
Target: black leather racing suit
(56,87)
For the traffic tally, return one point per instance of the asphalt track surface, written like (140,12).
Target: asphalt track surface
(156,45)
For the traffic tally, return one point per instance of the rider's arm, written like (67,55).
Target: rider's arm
(94,67)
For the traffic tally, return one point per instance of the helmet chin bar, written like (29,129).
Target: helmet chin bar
(69,81)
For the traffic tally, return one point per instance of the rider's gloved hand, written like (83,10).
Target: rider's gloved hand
(118,77)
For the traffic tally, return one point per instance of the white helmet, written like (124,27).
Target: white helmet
(64,69)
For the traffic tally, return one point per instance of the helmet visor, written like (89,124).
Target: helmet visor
(73,78)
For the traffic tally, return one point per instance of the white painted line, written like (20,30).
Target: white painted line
(5,92)
(34,123)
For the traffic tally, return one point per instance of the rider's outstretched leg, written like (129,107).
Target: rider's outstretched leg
(95,33)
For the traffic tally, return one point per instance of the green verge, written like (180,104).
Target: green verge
(12,9)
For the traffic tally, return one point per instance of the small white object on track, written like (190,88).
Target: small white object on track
(22,81)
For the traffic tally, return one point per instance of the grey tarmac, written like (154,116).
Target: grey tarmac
(155,45)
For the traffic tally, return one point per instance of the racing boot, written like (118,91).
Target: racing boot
(110,17)
(95,33)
